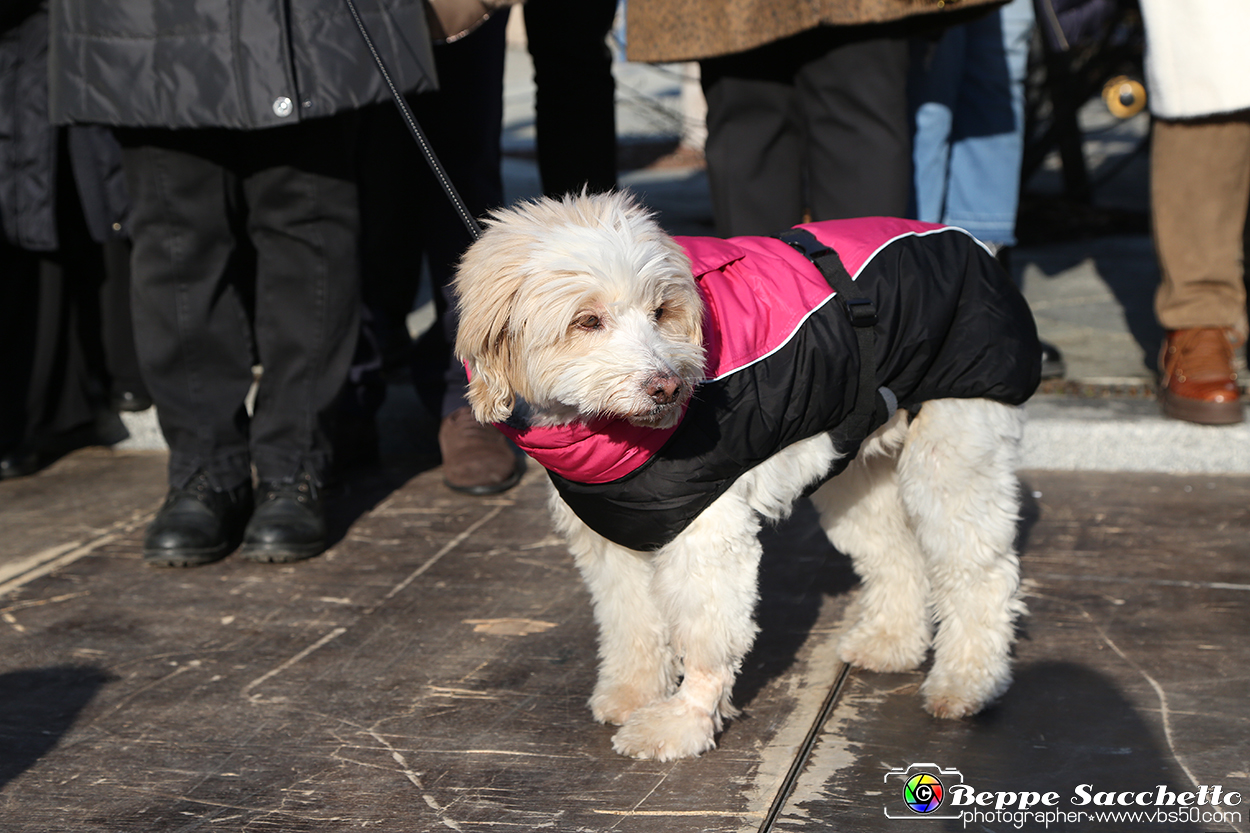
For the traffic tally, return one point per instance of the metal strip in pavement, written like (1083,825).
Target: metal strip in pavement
(805,751)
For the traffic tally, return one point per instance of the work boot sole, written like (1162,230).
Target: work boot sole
(1199,411)
(281,553)
(1052,369)
(186,556)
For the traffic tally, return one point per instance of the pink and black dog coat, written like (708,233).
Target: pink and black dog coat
(937,318)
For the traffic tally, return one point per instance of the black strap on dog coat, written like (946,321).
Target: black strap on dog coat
(867,416)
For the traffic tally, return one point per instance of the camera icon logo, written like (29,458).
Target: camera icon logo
(923,793)
(921,788)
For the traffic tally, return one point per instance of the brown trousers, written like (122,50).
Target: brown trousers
(1199,192)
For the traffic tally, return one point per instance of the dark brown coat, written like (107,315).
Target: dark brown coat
(688,30)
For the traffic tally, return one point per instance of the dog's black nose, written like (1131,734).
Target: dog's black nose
(663,388)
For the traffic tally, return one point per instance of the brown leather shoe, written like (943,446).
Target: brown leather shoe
(1198,382)
(477,459)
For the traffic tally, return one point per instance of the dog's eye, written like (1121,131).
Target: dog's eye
(659,313)
(589,322)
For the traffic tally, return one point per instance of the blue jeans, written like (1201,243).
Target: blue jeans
(967,99)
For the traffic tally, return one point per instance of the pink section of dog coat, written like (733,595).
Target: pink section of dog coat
(599,451)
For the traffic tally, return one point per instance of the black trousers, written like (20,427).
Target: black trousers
(65,338)
(814,126)
(574,100)
(406,215)
(245,252)
(53,376)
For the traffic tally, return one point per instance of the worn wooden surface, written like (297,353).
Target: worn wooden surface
(83,501)
(430,671)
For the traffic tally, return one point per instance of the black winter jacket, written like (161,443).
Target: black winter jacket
(30,152)
(243,64)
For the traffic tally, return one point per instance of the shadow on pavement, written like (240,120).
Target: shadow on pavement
(37,708)
(361,489)
(799,569)
(1062,725)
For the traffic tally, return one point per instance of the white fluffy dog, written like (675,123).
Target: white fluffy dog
(582,313)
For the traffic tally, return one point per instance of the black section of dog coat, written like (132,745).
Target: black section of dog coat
(950,324)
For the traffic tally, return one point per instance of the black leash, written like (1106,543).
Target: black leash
(475,231)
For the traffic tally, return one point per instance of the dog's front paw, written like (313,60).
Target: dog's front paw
(884,648)
(667,731)
(617,696)
(955,695)
(614,704)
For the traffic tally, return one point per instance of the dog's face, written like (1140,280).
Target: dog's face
(583,308)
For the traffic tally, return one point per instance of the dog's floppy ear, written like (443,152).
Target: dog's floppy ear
(485,299)
(490,393)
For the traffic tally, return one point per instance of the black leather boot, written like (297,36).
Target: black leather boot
(197,524)
(20,462)
(288,523)
(1053,365)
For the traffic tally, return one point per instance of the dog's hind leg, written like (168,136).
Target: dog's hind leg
(636,664)
(862,514)
(705,584)
(958,482)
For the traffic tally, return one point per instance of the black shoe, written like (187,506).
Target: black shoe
(20,462)
(197,524)
(45,449)
(288,523)
(1053,366)
(129,400)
